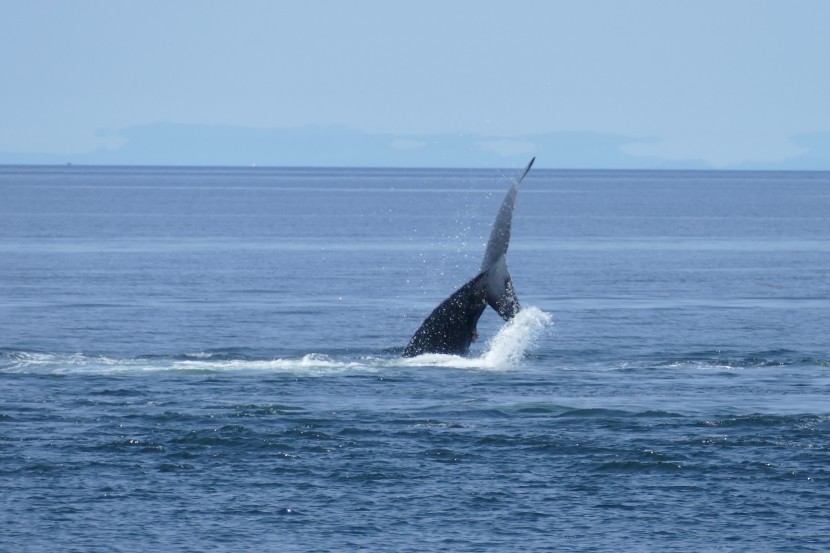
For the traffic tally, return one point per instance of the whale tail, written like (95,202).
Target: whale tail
(451,327)
(500,233)
(501,295)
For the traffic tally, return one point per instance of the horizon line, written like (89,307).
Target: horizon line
(401,168)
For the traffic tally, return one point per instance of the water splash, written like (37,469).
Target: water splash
(517,337)
(504,351)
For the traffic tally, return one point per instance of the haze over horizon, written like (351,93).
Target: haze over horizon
(641,84)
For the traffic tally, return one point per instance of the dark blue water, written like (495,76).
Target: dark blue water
(209,360)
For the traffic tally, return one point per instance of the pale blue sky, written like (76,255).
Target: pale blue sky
(668,83)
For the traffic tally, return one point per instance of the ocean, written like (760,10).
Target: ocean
(210,359)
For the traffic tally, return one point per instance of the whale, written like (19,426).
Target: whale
(451,327)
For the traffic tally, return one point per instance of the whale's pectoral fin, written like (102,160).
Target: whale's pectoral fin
(451,326)
(501,295)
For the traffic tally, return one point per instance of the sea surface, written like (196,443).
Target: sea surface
(209,359)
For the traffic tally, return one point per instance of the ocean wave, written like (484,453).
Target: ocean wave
(719,361)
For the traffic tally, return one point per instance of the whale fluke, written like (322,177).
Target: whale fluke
(500,233)
(451,327)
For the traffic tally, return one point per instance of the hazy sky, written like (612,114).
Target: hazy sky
(725,82)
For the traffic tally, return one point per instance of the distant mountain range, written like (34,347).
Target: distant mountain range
(182,144)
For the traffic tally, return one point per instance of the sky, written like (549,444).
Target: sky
(589,84)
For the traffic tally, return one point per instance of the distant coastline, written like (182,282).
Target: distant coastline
(168,144)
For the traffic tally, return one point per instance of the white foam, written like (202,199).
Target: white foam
(312,363)
(56,363)
(504,351)
(78,363)
(517,337)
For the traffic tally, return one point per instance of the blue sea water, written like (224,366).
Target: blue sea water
(209,359)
